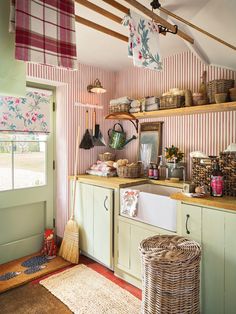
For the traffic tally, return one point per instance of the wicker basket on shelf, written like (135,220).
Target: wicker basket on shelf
(172,101)
(218,86)
(106,156)
(170,275)
(119,108)
(129,171)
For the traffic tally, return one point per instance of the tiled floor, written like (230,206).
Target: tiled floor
(106,273)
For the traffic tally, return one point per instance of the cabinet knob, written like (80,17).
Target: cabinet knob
(105,200)
(186,224)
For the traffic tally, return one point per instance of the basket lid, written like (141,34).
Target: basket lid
(169,249)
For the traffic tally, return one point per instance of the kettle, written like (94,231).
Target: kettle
(117,139)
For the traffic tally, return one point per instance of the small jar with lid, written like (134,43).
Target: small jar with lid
(155,172)
(150,171)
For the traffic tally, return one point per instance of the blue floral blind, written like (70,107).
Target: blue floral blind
(30,114)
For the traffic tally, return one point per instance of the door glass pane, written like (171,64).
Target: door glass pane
(5,166)
(29,164)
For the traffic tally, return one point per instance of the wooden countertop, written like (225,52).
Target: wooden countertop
(225,202)
(109,182)
(117,182)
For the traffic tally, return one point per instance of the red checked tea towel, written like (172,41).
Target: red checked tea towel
(45,31)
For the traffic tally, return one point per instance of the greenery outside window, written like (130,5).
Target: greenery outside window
(22,160)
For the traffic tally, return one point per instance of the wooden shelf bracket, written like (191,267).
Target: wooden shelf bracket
(124,116)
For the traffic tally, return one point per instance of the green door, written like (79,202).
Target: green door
(26,192)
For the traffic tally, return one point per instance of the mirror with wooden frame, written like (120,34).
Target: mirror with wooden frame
(150,141)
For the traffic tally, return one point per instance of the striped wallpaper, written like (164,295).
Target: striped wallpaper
(72,88)
(210,133)
(207,132)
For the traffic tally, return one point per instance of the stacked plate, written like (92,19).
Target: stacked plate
(232,92)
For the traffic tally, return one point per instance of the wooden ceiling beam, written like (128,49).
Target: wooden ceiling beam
(159,19)
(100,28)
(197,28)
(99,10)
(125,10)
(104,12)
(117,6)
(149,13)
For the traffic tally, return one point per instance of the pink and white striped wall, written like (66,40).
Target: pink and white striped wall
(210,133)
(72,88)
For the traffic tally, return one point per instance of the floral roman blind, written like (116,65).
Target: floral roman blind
(30,114)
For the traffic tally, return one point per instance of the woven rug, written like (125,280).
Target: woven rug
(85,291)
(15,266)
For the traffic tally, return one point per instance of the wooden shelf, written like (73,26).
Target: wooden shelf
(228,106)
(120,116)
(123,116)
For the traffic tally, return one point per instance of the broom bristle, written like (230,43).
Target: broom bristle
(69,249)
(87,141)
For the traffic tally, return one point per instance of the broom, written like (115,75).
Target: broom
(69,249)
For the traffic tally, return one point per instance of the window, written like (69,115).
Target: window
(22,161)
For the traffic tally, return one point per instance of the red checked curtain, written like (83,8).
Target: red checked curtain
(44,31)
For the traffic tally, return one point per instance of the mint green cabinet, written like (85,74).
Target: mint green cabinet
(230,263)
(84,212)
(103,227)
(94,213)
(137,234)
(191,222)
(124,229)
(130,234)
(213,261)
(215,230)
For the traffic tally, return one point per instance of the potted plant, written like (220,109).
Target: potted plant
(174,156)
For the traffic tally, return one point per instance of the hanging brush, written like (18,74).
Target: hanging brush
(87,140)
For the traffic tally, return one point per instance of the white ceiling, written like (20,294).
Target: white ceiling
(215,16)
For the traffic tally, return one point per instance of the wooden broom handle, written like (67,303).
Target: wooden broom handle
(86,120)
(94,121)
(75,173)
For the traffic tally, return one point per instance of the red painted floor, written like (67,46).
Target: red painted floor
(103,271)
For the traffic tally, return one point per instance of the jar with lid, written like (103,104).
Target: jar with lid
(155,172)
(217,183)
(150,171)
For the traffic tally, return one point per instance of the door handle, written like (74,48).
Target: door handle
(104,204)
(186,224)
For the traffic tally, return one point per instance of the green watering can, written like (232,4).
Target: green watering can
(117,139)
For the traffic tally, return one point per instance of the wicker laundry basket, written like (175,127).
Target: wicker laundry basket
(170,275)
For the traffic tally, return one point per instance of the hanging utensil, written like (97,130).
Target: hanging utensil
(87,140)
(98,139)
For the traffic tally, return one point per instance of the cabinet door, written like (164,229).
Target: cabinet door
(137,234)
(84,212)
(124,245)
(230,263)
(213,261)
(103,224)
(191,222)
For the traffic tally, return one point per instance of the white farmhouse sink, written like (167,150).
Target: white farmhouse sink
(155,207)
